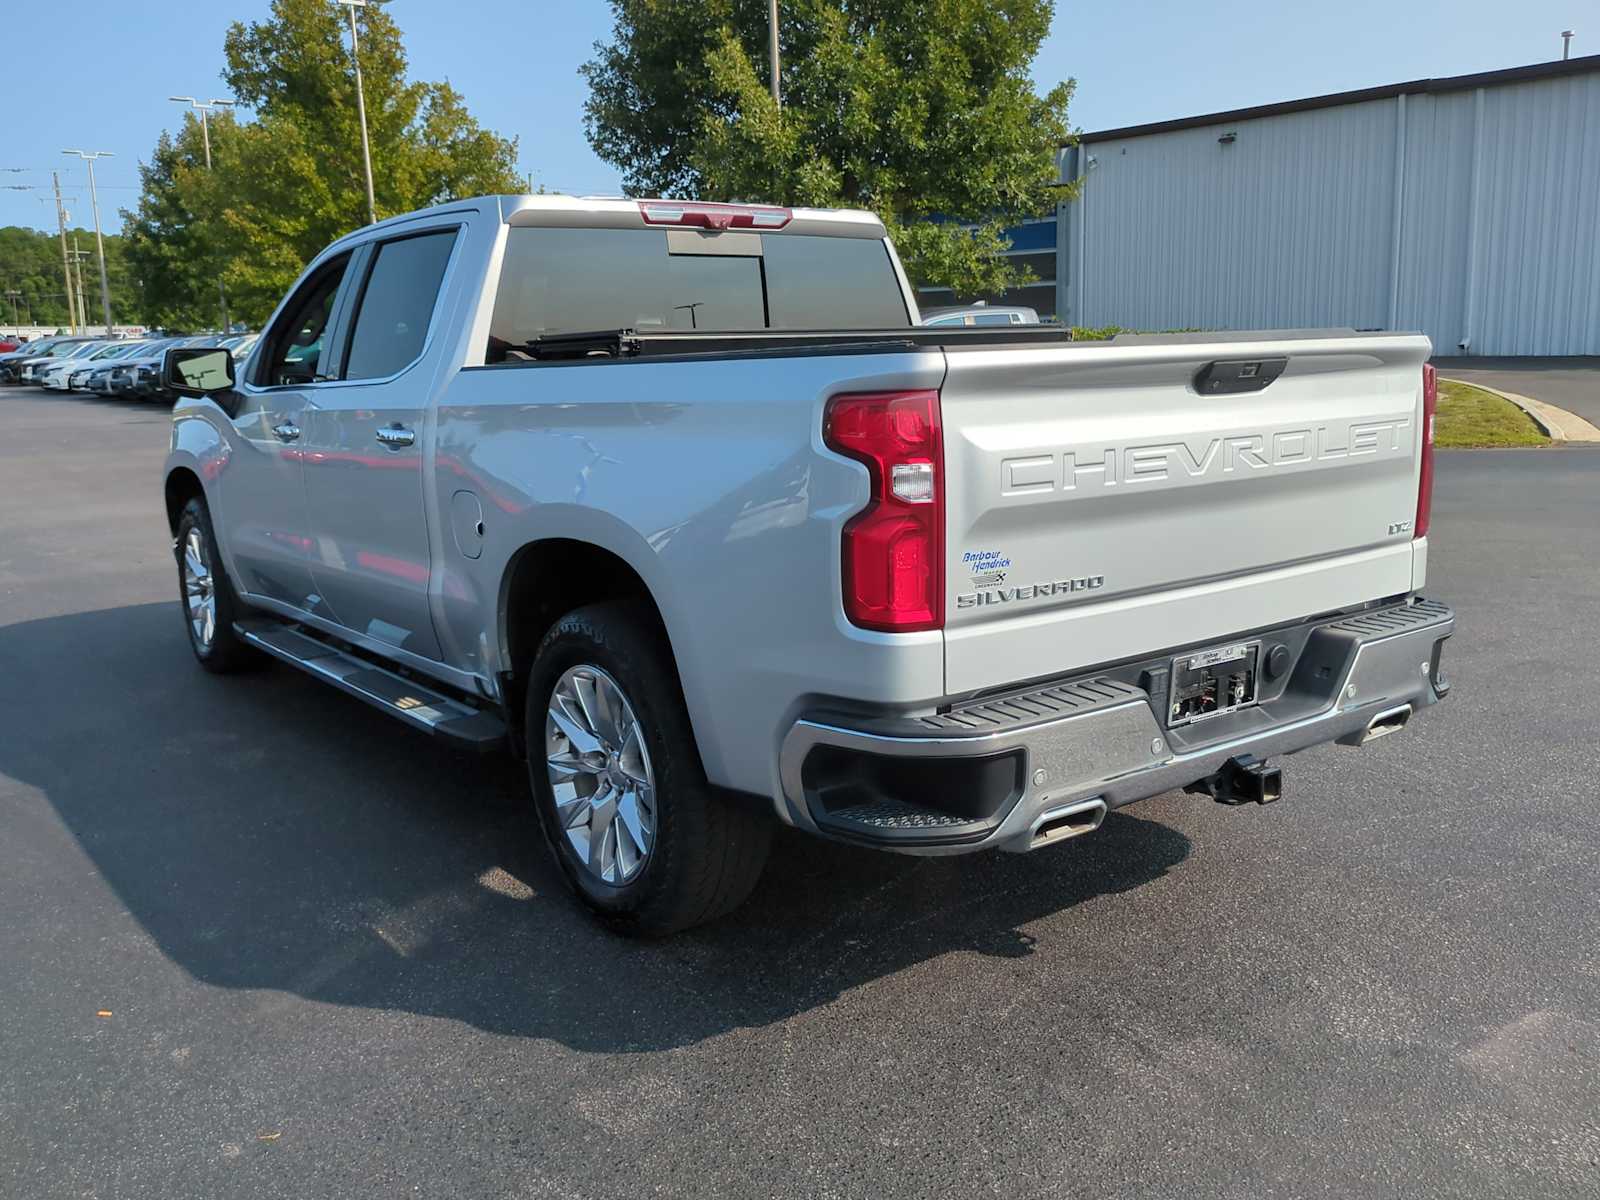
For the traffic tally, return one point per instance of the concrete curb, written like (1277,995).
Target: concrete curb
(1557,423)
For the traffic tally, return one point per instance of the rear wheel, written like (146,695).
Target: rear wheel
(642,837)
(209,605)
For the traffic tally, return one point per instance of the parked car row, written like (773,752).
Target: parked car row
(126,367)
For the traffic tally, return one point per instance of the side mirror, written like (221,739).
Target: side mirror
(197,371)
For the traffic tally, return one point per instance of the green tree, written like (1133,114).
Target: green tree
(175,236)
(921,110)
(30,263)
(284,185)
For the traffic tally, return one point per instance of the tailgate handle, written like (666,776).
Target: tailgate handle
(1228,376)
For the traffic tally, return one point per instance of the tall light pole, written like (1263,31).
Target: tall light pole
(99,239)
(205,109)
(772,49)
(361,106)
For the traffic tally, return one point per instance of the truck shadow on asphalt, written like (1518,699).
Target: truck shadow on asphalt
(270,833)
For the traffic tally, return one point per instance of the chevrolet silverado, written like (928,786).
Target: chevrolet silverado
(682,503)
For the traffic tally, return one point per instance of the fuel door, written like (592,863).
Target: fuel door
(466,523)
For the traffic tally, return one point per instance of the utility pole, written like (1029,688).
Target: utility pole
(772,49)
(77,263)
(1566,44)
(361,106)
(66,268)
(99,238)
(205,138)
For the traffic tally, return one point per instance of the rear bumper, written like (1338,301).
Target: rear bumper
(986,774)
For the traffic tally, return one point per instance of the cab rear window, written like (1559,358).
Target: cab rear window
(558,281)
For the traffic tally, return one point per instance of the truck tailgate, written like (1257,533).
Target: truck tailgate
(1105,502)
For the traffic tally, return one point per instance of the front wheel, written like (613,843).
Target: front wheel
(209,605)
(645,841)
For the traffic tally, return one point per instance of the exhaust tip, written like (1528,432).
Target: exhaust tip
(1069,821)
(1391,720)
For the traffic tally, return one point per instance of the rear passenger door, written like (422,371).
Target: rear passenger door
(362,446)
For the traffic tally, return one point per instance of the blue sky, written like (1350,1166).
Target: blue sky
(1135,61)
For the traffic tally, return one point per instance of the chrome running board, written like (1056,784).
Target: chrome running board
(407,699)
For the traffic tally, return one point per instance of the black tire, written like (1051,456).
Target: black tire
(708,849)
(224,653)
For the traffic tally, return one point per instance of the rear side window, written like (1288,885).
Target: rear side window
(397,304)
(993,319)
(585,280)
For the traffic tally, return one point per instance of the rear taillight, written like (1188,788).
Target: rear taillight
(713,216)
(1430,404)
(893,548)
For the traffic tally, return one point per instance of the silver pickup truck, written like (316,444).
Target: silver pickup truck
(682,503)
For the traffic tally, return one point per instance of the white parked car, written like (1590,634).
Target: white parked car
(99,365)
(55,373)
(981,314)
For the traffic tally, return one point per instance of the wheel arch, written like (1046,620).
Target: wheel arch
(548,578)
(181,486)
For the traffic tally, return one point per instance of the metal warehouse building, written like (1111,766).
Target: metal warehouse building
(1468,208)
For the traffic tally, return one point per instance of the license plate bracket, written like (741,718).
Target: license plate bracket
(1209,683)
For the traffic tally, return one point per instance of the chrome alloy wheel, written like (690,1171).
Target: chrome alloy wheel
(600,774)
(199,589)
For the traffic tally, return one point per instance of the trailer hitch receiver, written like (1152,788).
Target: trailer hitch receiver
(1244,779)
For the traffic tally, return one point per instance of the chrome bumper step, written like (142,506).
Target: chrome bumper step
(407,699)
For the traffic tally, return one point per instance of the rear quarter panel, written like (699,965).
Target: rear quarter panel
(709,478)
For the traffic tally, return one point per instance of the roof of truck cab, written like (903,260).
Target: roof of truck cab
(615,212)
(621,212)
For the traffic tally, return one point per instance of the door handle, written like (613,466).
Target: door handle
(287,431)
(395,436)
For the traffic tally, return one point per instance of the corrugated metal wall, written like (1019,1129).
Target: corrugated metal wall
(1293,223)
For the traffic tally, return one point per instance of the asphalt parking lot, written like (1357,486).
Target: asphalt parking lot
(337,964)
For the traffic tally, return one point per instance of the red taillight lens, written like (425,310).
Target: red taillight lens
(893,548)
(1430,404)
(713,216)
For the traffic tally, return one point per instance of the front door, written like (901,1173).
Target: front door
(267,528)
(362,448)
